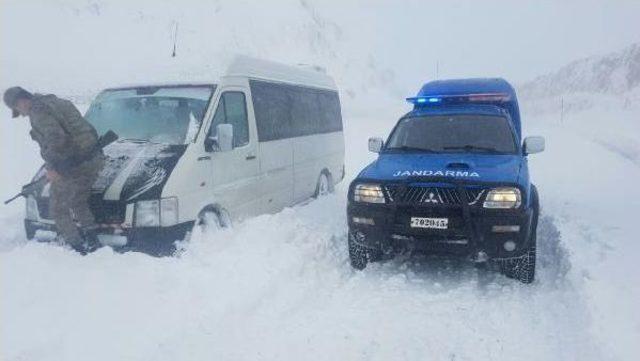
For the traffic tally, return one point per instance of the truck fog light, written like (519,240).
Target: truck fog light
(509,246)
(363,220)
(359,236)
(505,229)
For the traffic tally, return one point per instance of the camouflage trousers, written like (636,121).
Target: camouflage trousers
(69,202)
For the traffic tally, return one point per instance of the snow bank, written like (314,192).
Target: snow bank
(280,287)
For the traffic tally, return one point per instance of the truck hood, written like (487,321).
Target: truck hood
(133,170)
(480,167)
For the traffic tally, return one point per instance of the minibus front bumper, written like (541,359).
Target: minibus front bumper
(152,240)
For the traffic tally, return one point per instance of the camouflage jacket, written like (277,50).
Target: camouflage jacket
(61,131)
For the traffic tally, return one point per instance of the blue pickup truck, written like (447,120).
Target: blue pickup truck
(451,178)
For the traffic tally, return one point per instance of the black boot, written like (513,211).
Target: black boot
(90,242)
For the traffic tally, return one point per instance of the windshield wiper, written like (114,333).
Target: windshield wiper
(407,148)
(135,140)
(469,147)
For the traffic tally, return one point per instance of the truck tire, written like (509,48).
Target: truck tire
(523,268)
(360,256)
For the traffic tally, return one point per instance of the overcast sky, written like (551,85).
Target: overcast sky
(515,39)
(72,40)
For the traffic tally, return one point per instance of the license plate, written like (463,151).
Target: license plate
(435,223)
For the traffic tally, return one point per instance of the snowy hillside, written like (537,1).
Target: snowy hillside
(611,80)
(140,48)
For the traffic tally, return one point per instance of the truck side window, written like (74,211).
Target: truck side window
(232,109)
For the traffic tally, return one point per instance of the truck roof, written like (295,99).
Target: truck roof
(467,92)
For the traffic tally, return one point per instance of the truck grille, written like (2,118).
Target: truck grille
(432,195)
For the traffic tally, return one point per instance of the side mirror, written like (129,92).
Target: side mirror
(222,142)
(375,145)
(533,145)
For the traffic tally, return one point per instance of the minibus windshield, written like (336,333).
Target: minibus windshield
(170,114)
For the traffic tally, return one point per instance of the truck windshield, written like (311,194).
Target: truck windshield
(171,114)
(452,134)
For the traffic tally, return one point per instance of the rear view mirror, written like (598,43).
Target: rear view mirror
(222,141)
(375,145)
(533,145)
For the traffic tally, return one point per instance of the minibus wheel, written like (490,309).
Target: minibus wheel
(212,219)
(323,187)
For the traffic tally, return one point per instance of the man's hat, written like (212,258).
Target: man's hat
(11,97)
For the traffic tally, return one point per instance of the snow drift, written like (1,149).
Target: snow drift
(279,286)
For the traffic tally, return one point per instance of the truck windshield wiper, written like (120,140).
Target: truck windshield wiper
(469,147)
(407,148)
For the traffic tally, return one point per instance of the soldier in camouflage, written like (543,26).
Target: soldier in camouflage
(73,160)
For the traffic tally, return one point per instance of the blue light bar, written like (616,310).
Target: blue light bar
(424,100)
(461,98)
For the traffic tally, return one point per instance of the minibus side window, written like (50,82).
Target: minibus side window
(232,109)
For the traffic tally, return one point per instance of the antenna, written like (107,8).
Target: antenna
(437,69)
(175,40)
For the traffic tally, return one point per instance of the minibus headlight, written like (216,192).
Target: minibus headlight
(147,213)
(368,193)
(503,198)
(168,211)
(154,213)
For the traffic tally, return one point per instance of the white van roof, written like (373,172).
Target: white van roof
(307,75)
(245,66)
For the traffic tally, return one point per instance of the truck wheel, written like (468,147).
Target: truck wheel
(523,268)
(360,256)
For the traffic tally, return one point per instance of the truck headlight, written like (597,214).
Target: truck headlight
(32,209)
(368,193)
(154,213)
(503,198)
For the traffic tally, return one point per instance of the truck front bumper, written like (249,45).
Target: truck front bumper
(471,231)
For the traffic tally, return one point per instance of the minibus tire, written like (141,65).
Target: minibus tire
(323,187)
(212,217)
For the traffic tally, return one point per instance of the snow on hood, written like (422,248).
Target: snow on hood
(136,170)
(480,167)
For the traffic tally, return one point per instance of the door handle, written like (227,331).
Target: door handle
(204,157)
(250,157)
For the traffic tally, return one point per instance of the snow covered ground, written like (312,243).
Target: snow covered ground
(280,287)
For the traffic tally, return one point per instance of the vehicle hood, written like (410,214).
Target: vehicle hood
(479,167)
(133,170)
